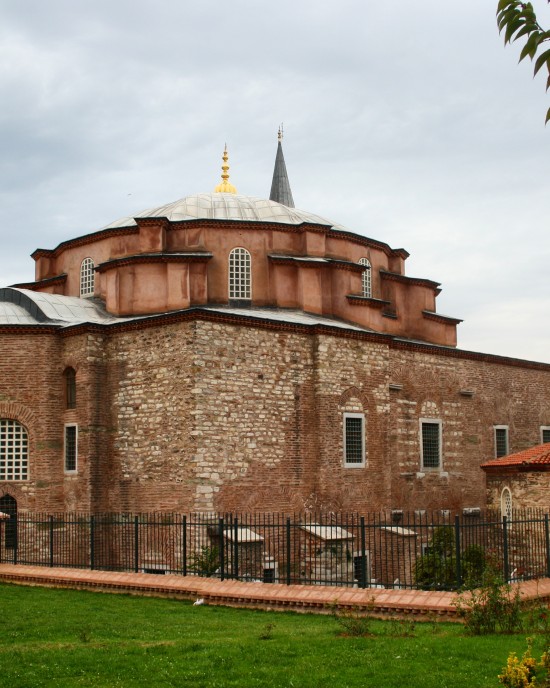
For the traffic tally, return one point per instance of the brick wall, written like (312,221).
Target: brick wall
(212,416)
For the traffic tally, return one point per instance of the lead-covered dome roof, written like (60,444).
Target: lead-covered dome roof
(227,206)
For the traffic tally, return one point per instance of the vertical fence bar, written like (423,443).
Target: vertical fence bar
(505,548)
(92,542)
(288,551)
(236,549)
(363,580)
(457,552)
(547,538)
(221,548)
(184,545)
(136,544)
(51,540)
(16,543)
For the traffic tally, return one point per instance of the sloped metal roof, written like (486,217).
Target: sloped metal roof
(227,206)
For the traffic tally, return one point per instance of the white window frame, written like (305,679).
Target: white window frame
(439,423)
(65,448)
(506,504)
(507,429)
(87,278)
(366,279)
(347,462)
(239,277)
(543,429)
(14,450)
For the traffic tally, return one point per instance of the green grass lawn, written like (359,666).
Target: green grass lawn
(68,638)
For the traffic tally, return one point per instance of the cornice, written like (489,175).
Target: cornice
(140,258)
(358,300)
(48,282)
(403,279)
(438,317)
(316,262)
(83,240)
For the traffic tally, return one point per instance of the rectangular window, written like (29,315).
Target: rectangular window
(544,434)
(354,439)
(71,448)
(501,440)
(430,442)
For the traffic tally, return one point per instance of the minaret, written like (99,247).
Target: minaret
(225,186)
(280,186)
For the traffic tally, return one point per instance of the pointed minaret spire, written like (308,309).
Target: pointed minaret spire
(280,186)
(225,186)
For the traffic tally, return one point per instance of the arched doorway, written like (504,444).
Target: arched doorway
(8,505)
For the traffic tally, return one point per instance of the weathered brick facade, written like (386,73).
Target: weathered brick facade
(224,414)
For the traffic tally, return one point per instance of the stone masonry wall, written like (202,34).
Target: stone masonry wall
(431,388)
(530,489)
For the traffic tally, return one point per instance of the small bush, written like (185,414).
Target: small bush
(493,607)
(521,673)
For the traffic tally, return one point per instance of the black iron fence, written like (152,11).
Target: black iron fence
(437,550)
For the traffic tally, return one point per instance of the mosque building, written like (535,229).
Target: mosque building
(229,353)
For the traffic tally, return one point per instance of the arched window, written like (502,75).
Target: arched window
(14,450)
(240,277)
(87,285)
(506,503)
(70,388)
(366,277)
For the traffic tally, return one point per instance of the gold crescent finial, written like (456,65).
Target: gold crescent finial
(225,186)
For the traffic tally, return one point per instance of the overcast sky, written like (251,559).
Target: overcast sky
(408,122)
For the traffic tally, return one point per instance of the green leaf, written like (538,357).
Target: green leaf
(547,116)
(548,80)
(513,26)
(505,5)
(528,28)
(541,60)
(506,18)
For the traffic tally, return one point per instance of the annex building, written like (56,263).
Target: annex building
(224,352)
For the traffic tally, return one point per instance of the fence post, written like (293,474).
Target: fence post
(51,540)
(136,544)
(547,533)
(184,544)
(92,542)
(236,549)
(457,552)
(288,550)
(220,548)
(505,549)
(363,581)
(16,547)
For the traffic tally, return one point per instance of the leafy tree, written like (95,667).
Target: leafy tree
(518,20)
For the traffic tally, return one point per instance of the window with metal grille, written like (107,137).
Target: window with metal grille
(430,431)
(366,277)
(545,434)
(71,448)
(14,450)
(506,503)
(501,440)
(240,277)
(70,388)
(87,277)
(354,439)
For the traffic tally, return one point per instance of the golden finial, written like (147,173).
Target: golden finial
(280,133)
(225,186)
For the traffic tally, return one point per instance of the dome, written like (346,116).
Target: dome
(227,206)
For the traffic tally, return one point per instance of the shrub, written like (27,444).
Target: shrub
(493,607)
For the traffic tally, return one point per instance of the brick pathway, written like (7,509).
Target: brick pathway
(304,598)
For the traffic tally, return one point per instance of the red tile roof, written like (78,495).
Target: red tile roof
(536,458)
